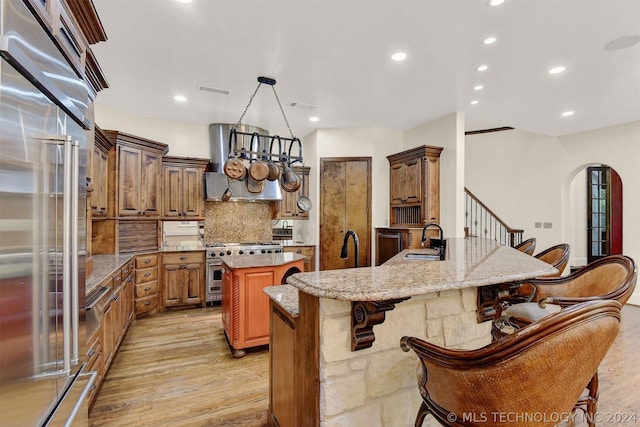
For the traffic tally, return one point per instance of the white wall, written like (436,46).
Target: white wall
(184,139)
(447,132)
(526,177)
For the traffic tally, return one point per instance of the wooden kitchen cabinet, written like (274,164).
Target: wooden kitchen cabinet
(414,187)
(288,206)
(100,173)
(309,252)
(183,187)
(146,284)
(245,307)
(391,241)
(137,175)
(183,279)
(118,314)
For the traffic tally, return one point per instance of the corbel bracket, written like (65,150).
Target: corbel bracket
(366,314)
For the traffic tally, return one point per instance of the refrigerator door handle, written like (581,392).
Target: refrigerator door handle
(83,396)
(75,309)
(67,195)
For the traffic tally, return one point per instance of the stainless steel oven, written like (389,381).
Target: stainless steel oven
(216,253)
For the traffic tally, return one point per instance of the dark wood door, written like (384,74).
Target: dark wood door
(604,212)
(345,204)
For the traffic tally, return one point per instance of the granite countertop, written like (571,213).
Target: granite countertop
(103,266)
(286,296)
(261,260)
(470,262)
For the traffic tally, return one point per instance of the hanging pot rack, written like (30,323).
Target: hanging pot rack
(261,146)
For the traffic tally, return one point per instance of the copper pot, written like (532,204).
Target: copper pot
(258,169)
(234,167)
(289,180)
(274,168)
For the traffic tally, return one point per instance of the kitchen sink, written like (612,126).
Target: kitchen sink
(422,256)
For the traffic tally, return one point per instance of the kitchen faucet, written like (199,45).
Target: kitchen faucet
(356,243)
(424,232)
(441,244)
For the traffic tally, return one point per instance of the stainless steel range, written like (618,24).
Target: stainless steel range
(216,253)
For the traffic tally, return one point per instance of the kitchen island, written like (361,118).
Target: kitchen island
(335,353)
(245,307)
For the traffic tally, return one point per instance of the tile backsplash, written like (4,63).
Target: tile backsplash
(228,222)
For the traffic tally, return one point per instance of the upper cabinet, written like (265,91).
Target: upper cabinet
(100,173)
(137,176)
(415,186)
(288,207)
(183,187)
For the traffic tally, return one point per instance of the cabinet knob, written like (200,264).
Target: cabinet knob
(147,274)
(147,288)
(147,302)
(183,257)
(298,251)
(147,261)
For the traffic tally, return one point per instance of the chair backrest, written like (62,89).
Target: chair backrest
(612,277)
(528,246)
(535,374)
(557,256)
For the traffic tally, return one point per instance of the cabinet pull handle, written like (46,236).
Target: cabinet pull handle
(115,298)
(147,274)
(147,302)
(298,251)
(147,288)
(147,261)
(183,257)
(91,352)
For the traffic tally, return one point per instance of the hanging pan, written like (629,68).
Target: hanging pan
(274,168)
(289,180)
(303,202)
(258,169)
(234,167)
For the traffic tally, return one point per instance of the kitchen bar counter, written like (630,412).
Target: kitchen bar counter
(335,352)
(469,263)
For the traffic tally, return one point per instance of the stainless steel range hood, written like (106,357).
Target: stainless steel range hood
(216,182)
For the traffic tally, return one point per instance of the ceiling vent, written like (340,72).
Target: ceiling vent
(302,105)
(214,90)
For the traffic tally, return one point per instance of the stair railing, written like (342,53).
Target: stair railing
(480,221)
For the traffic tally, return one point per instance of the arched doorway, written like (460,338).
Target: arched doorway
(595,212)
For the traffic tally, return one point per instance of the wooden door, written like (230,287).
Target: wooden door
(413,181)
(128,181)
(150,193)
(173,191)
(345,204)
(172,289)
(193,286)
(604,212)
(192,192)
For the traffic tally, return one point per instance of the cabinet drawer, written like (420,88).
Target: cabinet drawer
(146,289)
(146,304)
(146,275)
(302,250)
(127,269)
(146,261)
(183,258)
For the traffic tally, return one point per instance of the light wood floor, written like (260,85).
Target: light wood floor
(175,369)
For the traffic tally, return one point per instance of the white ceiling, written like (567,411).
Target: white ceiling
(335,55)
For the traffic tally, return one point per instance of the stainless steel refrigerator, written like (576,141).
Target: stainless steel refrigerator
(43,135)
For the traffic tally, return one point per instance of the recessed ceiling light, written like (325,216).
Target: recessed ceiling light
(184,1)
(557,70)
(483,68)
(623,42)
(496,2)
(474,102)
(399,56)
(478,87)
(313,119)
(489,40)
(568,113)
(180,98)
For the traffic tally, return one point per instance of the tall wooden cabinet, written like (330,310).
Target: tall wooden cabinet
(183,187)
(415,186)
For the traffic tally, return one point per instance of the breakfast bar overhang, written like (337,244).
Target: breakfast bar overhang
(316,376)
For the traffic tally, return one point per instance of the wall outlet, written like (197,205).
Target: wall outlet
(547,225)
(537,224)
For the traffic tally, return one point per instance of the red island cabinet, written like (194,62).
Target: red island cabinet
(245,307)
